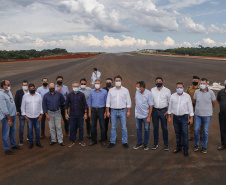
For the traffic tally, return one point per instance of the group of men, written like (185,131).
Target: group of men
(112,103)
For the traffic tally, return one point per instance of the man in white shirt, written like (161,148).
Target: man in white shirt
(95,75)
(180,106)
(161,97)
(118,100)
(31,109)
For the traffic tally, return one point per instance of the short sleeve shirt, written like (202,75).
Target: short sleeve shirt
(221,98)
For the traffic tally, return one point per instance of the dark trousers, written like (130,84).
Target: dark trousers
(88,125)
(76,122)
(43,124)
(156,116)
(95,115)
(181,131)
(222,121)
(66,124)
(106,120)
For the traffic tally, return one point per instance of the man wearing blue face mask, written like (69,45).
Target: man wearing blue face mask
(180,106)
(205,100)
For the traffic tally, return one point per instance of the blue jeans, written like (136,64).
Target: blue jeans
(156,116)
(8,132)
(97,114)
(139,123)
(205,120)
(36,124)
(21,128)
(76,122)
(181,131)
(121,115)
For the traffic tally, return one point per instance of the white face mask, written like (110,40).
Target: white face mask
(118,84)
(138,89)
(97,86)
(83,86)
(8,89)
(25,88)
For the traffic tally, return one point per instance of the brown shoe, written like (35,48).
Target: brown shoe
(71,144)
(103,144)
(92,143)
(42,136)
(221,147)
(82,143)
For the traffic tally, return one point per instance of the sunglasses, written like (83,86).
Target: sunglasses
(83,83)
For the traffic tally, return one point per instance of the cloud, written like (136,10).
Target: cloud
(179,4)
(192,27)
(209,42)
(169,42)
(215,29)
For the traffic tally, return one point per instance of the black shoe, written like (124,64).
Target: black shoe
(92,143)
(21,143)
(39,145)
(190,138)
(9,152)
(30,146)
(221,147)
(186,153)
(17,147)
(204,150)
(196,148)
(137,146)
(62,144)
(154,147)
(52,143)
(166,147)
(177,150)
(125,145)
(111,145)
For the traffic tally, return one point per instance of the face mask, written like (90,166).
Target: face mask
(108,84)
(195,83)
(32,91)
(138,89)
(45,84)
(202,86)
(97,86)
(180,90)
(52,89)
(8,89)
(59,82)
(158,84)
(83,86)
(118,84)
(75,89)
(25,88)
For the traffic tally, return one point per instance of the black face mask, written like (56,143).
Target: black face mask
(59,82)
(195,83)
(51,89)
(108,84)
(32,91)
(45,84)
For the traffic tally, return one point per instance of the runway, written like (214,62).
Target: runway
(99,165)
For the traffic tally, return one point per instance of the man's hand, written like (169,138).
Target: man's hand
(59,89)
(85,116)
(18,114)
(40,117)
(128,114)
(166,114)
(10,123)
(67,117)
(26,118)
(105,115)
(148,120)
(169,119)
(47,117)
(108,114)
(190,120)
(89,114)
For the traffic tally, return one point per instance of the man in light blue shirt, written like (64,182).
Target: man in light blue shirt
(8,117)
(144,105)
(42,91)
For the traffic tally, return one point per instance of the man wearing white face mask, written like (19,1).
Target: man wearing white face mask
(18,100)
(97,103)
(180,106)
(118,100)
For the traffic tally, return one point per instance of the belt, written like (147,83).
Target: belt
(119,109)
(181,116)
(160,109)
(98,108)
(54,110)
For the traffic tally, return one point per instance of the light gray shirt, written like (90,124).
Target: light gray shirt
(64,90)
(204,101)
(86,91)
(41,90)
(7,104)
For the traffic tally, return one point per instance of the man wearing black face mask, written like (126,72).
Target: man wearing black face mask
(42,91)
(109,82)
(191,91)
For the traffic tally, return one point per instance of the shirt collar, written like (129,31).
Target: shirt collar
(207,90)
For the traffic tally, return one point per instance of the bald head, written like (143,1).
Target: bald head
(51,85)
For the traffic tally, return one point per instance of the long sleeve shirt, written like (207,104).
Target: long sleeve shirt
(41,90)
(18,99)
(64,90)
(94,76)
(97,99)
(161,98)
(31,105)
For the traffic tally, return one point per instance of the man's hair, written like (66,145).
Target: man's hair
(98,80)
(75,83)
(3,83)
(59,77)
(95,69)
(159,78)
(83,79)
(24,81)
(142,84)
(109,79)
(180,83)
(31,85)
(45,78)
(204,79)
(118,76)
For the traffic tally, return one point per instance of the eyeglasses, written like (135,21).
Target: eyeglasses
(83,83)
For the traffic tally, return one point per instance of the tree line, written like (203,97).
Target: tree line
(28,54)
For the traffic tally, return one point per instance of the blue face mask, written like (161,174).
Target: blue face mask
(202,86)
(32,91)
(159,84)
(75,89)
(180,90)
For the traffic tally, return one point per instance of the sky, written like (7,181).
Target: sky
(111,25)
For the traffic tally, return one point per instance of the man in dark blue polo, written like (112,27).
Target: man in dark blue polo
(76,102)
(52,101)
(97,103)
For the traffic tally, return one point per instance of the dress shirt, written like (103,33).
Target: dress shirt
(221,98)
(161,98)
(64,90)
(52,101)
(76,103)
(97,99)
(86,91)
(118,98)
(94,76)
(31,105)
(18,99)
(180,105)
(143,102)
(41,90)
(7,104)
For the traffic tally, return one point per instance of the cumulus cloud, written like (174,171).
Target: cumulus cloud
(209,42)
(169,42)
(214,29)
(192,27)
(179,4)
